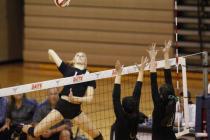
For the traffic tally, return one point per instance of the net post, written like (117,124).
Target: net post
(184,86)
(205,72)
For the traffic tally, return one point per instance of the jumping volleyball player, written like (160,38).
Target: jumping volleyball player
(127,113)
(164,99)
(71,98)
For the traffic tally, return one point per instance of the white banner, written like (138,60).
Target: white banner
(76,79)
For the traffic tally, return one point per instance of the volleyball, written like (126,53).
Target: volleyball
(62,3)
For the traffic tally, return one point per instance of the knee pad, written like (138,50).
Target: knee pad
(31,132)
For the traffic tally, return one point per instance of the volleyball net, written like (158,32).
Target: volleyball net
(100,110)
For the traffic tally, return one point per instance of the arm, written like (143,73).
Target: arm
(139,82)
(154,87)
(6,125)
(118,109)
(137,91)
(153,74)
(54,57)
(167,70)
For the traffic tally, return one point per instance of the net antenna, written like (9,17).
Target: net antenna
(184,86)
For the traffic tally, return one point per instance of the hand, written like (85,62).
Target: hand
(118,67)
(144,61)
(71,96)
(49,55)
(152,52)
(167,47)
(4,127)
(47,134)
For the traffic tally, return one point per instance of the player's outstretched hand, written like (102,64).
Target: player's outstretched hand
(144,61)
(166,49)
(152,52)
(118,67)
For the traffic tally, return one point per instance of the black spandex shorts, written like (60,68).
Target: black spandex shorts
(67,109)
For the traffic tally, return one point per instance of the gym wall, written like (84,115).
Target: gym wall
(105,29)
(11,30)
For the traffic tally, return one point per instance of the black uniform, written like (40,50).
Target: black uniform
(67,109)
(125,127)
(160,132)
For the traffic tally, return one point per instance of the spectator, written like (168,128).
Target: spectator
(4,125)
(20,111)
(180,111)
(61,131)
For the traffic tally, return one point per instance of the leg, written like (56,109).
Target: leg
(50,120)
(112,134)
(86,124)
(65,135)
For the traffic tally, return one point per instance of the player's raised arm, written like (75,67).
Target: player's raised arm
(139,82)
(54,57)
(167,70)
(153,74)
(166,51)
(116,95)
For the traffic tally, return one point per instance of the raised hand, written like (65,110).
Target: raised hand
(118,67)
(152,52)
(166,49)
(144,61)
(141,68)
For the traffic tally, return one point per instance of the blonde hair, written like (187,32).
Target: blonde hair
(72,62)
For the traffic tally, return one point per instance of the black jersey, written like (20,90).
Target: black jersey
(125,127)
(67,109)
(160,132)
(77,89)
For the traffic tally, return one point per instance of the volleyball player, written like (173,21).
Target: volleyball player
(164,99)
(69,104)
(127,113)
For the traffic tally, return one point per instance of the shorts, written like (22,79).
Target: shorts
(67,109)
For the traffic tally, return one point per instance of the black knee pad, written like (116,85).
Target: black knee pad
(31,132)
(100,137)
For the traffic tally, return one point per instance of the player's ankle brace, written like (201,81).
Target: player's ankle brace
(99,137)
(31,131)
